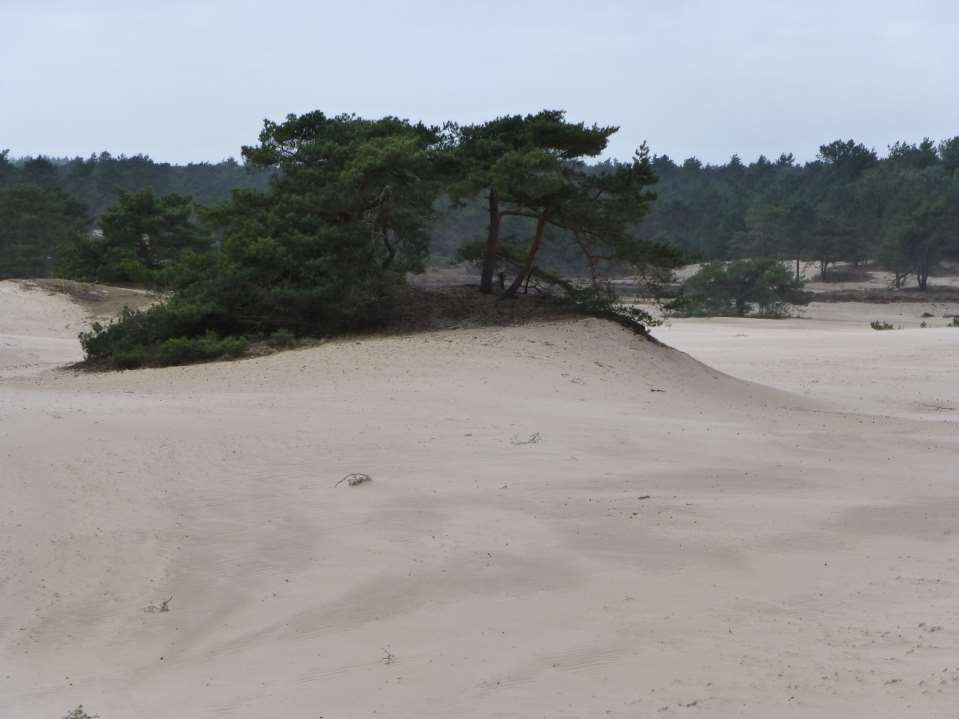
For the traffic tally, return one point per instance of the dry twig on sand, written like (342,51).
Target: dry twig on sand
(354,479)
(533,439)
(163,606)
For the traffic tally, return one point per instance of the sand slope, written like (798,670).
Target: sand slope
(795,556)
(36,333)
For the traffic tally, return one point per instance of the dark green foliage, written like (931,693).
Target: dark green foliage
(849,206)
(949,153)
(531,167)
(322,252)
(35,221)
(281,338)
(738,288)
(318,239)
(848,158)
(93,186)
(165,334)
(371,179)
(140,235)
(921,227)
(97,180)
(183,350)
(880,325)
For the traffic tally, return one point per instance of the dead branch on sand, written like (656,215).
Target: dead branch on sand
(163,606)
(354,479)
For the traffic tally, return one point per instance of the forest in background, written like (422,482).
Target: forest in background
(45,202)
(850,205)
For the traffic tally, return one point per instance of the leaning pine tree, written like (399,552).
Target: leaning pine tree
(533,167)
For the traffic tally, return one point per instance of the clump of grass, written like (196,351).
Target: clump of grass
(955,321)
(881,325)
(80,713)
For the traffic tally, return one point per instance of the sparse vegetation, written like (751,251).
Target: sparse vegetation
(160,608)
(881,325)
(80,713)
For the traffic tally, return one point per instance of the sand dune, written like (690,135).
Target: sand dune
(674,541)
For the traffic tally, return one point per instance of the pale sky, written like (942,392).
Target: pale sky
(192,80)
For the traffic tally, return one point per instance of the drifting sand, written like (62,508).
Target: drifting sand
(678,543)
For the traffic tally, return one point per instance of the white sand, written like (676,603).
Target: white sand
(798,554)
(36,333)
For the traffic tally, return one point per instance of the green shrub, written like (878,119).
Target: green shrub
(763,286)
(281,338)
(165,334)
(135,330)
(180,350)
(185,350)
(880,325)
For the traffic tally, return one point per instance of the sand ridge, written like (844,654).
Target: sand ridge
(677,542)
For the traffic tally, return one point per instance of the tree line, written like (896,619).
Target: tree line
(328,214)
(848,206)
(45,202)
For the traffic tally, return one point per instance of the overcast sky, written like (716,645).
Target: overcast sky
(192,80)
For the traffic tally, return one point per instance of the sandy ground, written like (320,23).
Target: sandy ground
(36,333)
(832,354)
(678,542)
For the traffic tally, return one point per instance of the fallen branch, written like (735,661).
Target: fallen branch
(354,479)
(163,606)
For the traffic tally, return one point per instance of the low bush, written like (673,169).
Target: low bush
(760,286)
(881,325)
(181,350)
(165,334)
(281,339)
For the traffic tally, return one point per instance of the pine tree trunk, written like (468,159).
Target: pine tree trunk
(530,257)
(922,274)
(492,245)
